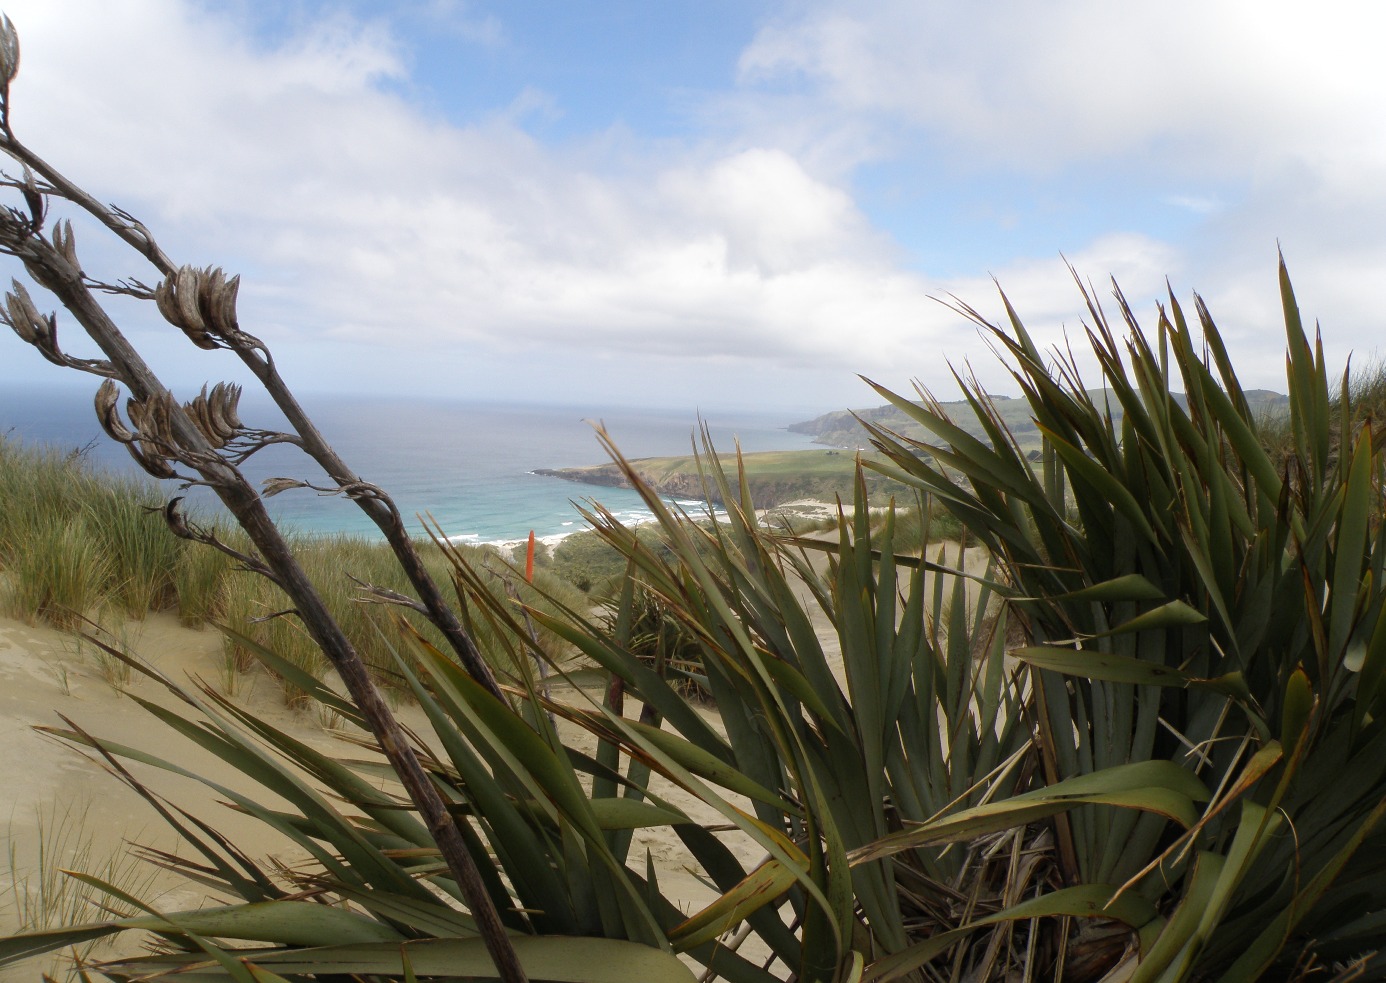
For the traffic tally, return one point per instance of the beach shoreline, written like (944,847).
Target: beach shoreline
(804,509)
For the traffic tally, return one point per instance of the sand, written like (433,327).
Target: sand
(45,675)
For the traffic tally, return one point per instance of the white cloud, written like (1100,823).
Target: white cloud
(360,220)
(1255,116)
(1038,84)
(357,218)
(1198,204)
(457,16)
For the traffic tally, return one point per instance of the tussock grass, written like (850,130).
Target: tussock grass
(141,555)
(200,582)
(77,542)
(345,567)
(1366,405)
(74,539)
(42,895)
(932,525)
(58,573)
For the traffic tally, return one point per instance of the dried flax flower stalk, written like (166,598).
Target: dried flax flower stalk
(193,442)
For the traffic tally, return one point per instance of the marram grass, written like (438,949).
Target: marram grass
(78,543)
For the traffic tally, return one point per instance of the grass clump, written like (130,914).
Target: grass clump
(590,563)
(349,570)
(80,543)
(200,584)
(74,539)
(39,893)
(58,574)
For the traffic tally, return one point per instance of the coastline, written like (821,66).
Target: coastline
(803,509)
(467,465)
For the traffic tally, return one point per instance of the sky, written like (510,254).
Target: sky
(721,203)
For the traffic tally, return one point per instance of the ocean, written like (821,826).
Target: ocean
(468,465)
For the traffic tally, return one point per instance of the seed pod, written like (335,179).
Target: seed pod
(108,415)
(15,317)
(206,420)
(232,404)
(209,283)
(177,300)
(9,51)
(134,410)
(201,417)
(164,300)
(34,199)
(164,404)
(216,435)
(177,522)
(222,410)
(149,424)
(24,317)
(150,460)
(193,325)
(224,319)
(153,418)
(153,423)
(273,486)
(66,244)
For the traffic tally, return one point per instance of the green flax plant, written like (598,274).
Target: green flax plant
(911,794)
(1192,600)
(809,755)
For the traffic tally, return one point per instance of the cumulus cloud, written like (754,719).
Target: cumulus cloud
(1250,115)
(1039,84)
(362,220)
(358,218)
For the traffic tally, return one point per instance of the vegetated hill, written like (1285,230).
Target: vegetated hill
(774,477)
(778,477)
(841,428)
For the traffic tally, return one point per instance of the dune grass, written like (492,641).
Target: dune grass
(80,543)
(50,543)
(58,574)
(77,541)
(41,894)
(341,566)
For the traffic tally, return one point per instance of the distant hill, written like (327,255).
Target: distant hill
(841,428)
(774,477)
(779,477)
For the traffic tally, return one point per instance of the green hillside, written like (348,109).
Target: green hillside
(775,477)
(841,428)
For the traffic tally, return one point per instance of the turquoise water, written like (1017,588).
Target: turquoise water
(468,465)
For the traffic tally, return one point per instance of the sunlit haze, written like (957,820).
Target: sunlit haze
(735,203)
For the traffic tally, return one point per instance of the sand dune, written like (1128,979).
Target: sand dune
(46,675)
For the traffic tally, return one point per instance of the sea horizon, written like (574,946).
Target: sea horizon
(467,465)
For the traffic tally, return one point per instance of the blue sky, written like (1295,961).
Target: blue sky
(715,204)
